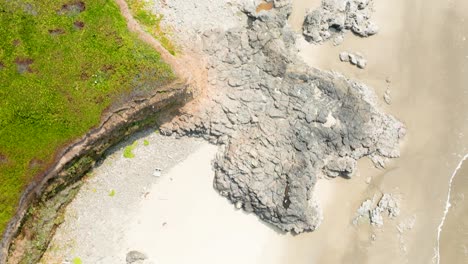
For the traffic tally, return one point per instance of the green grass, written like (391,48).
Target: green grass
(128,151)
(152,24)
(74,76)
(112,193)
(77,261)
(146,142)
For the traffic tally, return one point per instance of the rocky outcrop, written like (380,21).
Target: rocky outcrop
(281,124)
(335,17)
(43,202)
(388,205)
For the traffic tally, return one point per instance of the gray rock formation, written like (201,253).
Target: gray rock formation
(388,205)
(280,124)
(335,17)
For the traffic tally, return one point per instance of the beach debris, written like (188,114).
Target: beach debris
(135,257)
(387,97)
(356,59)
(387,205)
(157,172)
(336,17)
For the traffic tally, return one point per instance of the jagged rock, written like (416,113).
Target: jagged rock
(376,217)
(387,204)
(344,56)
(353,58)
(284,125)
(335,17)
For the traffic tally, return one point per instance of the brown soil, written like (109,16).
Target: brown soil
(23,65)
(71,8)
(2,65)
(79,24)
(56,31)
(3,159)
(35,163)
(264,6)
(16,42)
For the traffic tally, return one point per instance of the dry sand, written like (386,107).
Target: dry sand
(177,218)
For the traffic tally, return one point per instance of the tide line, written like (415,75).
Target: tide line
(436,258)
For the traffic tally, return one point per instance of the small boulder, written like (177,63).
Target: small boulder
(135,256)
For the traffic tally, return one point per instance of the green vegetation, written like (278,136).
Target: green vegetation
(128,151)
(112,193)
(151,23)
(146,142)
(77,261)
(62,63)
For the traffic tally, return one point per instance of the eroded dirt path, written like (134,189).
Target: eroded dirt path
(188,66)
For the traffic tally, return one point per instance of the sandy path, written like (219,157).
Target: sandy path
(422,48)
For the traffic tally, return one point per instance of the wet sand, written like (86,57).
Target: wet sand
(454,236)
(422,50)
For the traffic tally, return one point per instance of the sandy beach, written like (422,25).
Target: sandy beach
(419,57)
(424,58)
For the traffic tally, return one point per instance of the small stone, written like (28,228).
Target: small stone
(361,63)
(368,180)
(238,205)
(134,256)
(353,59)
(157,172)
(387,97)
(344,56)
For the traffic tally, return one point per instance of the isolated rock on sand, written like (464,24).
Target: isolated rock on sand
(279,123)
(335,17)
(388,205)
(135,257)
(387,97)
(353,58)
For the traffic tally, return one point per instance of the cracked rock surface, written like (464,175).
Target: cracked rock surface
(281,124)
(336,17)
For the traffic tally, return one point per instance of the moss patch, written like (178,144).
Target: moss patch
(128,151)
(63,63)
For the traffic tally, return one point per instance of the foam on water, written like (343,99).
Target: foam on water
(436,258)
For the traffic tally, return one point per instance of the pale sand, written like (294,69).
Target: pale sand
(422,48)
(176,218)
(184,220)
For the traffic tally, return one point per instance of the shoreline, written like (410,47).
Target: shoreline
(417,100)
(420,164)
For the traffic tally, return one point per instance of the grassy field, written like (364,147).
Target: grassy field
(62,63)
